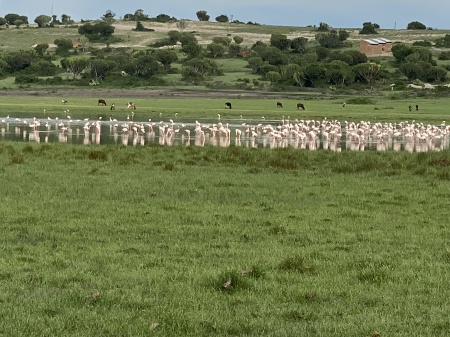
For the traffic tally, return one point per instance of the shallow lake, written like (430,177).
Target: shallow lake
(308,135)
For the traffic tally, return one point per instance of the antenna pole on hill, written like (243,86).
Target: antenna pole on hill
(395,25)
(52,11)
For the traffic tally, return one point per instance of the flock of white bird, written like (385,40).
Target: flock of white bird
(303,134)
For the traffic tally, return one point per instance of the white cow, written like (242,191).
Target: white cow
(429,86)
(414,86)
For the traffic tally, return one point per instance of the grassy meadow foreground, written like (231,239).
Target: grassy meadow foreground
(158,241)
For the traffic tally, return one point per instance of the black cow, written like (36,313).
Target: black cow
(410,108)
(101,101)
(279,105)
(228,105)
(300,105)
(417,107)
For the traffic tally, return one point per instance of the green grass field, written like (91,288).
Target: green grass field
(318,106)
(157,241)
(209,241)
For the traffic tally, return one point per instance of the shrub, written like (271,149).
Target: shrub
(360,100)
(26,79)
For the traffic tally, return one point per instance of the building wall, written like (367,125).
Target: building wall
(374,49)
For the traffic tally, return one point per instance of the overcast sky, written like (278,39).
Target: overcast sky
(388,14)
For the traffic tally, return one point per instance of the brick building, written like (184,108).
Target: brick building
(375,46)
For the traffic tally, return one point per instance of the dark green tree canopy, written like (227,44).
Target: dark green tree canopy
(100,31)
(43,20)
(416,25)
(202,16)
(368,28)
(222,18)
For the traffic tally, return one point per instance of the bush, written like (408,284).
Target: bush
(422,43)
(444,56)
(360,100)
(26,79)
(416,25)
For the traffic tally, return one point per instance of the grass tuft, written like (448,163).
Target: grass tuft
(296,264)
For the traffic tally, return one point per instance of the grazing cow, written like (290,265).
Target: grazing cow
(113,106)
(101,101)
(417,107)
(300,105)
(410,108)
(64,101)
(279,105)
(131,105)
(228,105)
(343,105)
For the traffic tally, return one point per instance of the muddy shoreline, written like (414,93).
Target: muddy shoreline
(158,93)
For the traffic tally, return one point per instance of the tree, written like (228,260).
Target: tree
(238,39)
(400,52)
(41,48)
(19,60)
(314,73)
(443,42)
(24,19)
(289,73)
(411,70)
(163,18)
(331,39)
(357,56)
(18,23)
(216,50)
(338,72)
(323,27)
(101,31)
(74,65)
(273,76)
(43,68)
(298,45)
(139,15)
(99,68)
(11,17)
(225,41)
(65,19)
(234,50)
(437,74)
(196,69)
(222,18)
(255,63)
(43,20)
(191,50)
(166,57)
(416,25)
(108,15)
(146,66)
(187,38)
(3,21)
(174,36)
(280,41)
(367,72)
(181,25)
(368,28)
(343,35)
(63,46)
(202,16)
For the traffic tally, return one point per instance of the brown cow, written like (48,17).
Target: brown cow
(300,105)
(279,105)
(101,101)
(131,105)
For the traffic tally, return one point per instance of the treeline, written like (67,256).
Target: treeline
(328,60)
